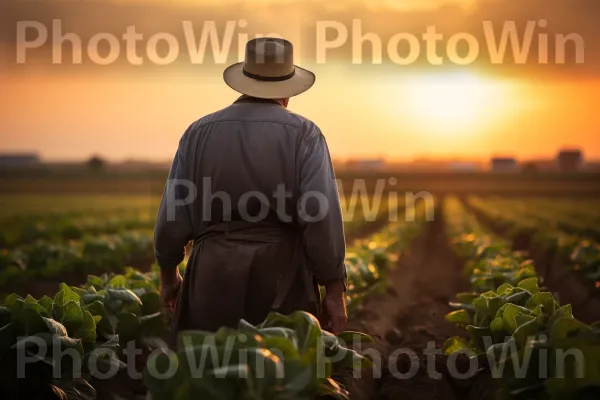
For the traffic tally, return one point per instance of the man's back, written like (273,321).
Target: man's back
(246,161)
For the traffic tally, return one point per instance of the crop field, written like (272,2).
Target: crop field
(507,284)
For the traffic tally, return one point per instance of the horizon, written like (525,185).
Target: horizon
(412,160)
(527,98)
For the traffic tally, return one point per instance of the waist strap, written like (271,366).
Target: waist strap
(265,232)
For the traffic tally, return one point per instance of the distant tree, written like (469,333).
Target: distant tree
(530,168)
(96,163)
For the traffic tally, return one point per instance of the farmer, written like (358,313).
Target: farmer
(253,187)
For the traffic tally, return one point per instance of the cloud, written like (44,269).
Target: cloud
(573,21)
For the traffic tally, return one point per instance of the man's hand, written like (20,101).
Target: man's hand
(334,316)
(170,285)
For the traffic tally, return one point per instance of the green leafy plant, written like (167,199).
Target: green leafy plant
(285,357)
(40,330)
(131,302)
(523,327)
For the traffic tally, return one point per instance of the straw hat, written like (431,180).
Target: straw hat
(268,71)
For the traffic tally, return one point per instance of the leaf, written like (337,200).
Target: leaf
(128,326)
(37,339)
(150,303)
(565,327)
(14,303)
(30,322)
(124,295)
(47,303)
(519,298)
(497,325)
(459,317)
(282,347)
(244,325)
(530,284)
(481,305)
(31,304)
(478,334)
(502,289)
(526,331)
(521,319)
(545,299)
(350,337)
(462,306)
(79,291)
(509,315)
(95,281)
(494,304)
(103,327)
(55,327)
(71,315)
(565,311)
(91,297)
(467,298)
(65,295)
(118,282)
(454,344)
(87,329)
(305,325)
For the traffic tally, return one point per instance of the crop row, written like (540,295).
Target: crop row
(565,229)
(578,217)
(92,255)
(515,325)
(60,228)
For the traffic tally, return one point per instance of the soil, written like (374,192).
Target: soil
(407,318)
(50,286)
(556,273)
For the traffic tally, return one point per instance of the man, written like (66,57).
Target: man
(254,187)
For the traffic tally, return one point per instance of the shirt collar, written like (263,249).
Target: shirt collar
(249,99)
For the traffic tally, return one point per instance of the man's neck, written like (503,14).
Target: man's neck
(250,99)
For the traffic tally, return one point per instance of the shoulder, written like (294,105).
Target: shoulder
(308,129)
(305,128)
(195,127)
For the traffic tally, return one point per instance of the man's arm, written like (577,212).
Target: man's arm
(320,216)
(173,229)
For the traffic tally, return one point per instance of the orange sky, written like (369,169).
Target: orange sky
(364,110)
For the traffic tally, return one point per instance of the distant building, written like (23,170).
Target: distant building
(570,160)
(504,164)
(19,160)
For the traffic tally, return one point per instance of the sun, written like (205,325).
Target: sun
(453,102)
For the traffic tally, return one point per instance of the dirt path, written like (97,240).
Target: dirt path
(410,315)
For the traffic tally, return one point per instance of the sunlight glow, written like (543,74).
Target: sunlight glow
(447,103)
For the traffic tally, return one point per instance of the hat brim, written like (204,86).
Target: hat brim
(302,80)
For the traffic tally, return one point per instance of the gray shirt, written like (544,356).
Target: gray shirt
(253,161)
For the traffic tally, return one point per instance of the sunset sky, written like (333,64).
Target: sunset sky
(373,108)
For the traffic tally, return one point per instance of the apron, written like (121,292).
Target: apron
(243,270)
